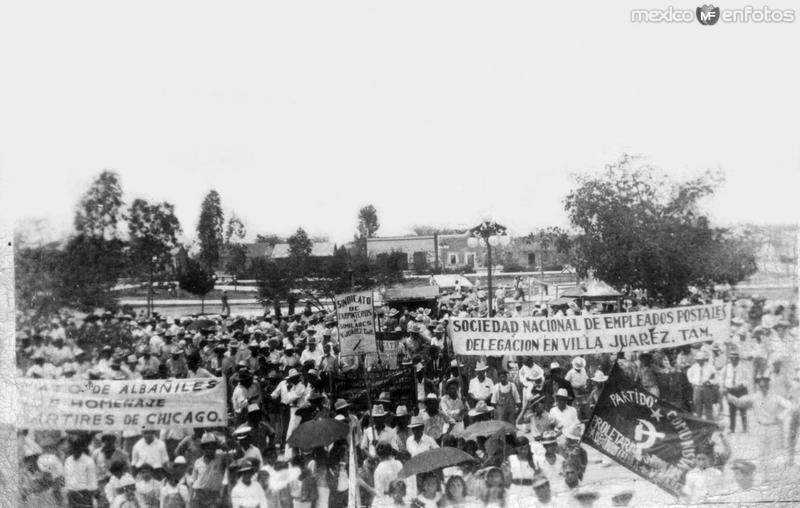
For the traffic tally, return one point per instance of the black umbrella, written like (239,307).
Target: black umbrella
(319,432)
(432,460)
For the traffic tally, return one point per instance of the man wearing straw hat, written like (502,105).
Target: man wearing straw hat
(702,376)
(247,493)
(419,442)
(734,379)
(208,474)
(480,387)
(377,433)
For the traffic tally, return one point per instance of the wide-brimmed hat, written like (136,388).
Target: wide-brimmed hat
(401,410)
(451,381)
(378,411)
(180,460)
(340,404)
(384,397)
(245,465)
(555,365)
(535,375)
(562,392)
(416,421)
(599,377)
(455,363)
(126,480)
(393,312)
(292,374)
(578,363)
(549,437)
(242,431)
(480,367)
(208,439)
(481,408)
(701,355)
(539,480)
(431,396)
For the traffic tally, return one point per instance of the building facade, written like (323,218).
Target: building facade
(451,253)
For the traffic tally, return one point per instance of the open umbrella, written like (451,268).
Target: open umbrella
(486,429)
(432,460)
(497,443)
(319,432)
(200,324)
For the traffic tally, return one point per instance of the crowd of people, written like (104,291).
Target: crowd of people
(279,369)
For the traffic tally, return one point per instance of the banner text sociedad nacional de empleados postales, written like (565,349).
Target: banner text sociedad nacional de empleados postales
(594,333)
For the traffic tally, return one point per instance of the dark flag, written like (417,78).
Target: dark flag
(648,435)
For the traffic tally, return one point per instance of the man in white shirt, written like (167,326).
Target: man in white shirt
(288,393)
(734,383)
(480,387)
(380,433)
(529,373)
(702,376)
(565,415)
(419,442)
(247,493)
(150,450)
(80,478)
(245,392)
(311,352)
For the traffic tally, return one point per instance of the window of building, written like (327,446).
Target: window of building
(470,259)
(453,259)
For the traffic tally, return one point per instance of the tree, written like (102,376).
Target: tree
(300,247)
(368,222)
(270,239)
(642,230)
(37,277)
(210,230)
(235,231)
(236,259)
(425,230)
(298,264)
(100,208)
(153,231)
(87,270)
(274,283)
(367,226)
(197,280)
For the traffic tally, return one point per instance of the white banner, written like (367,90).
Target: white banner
(121,405)
(356,322)
(591,334)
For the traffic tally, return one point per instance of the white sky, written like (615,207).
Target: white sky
(436,112)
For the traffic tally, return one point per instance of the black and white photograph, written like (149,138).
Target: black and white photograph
(362,254)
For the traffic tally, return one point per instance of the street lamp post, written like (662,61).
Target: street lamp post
(492,234)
